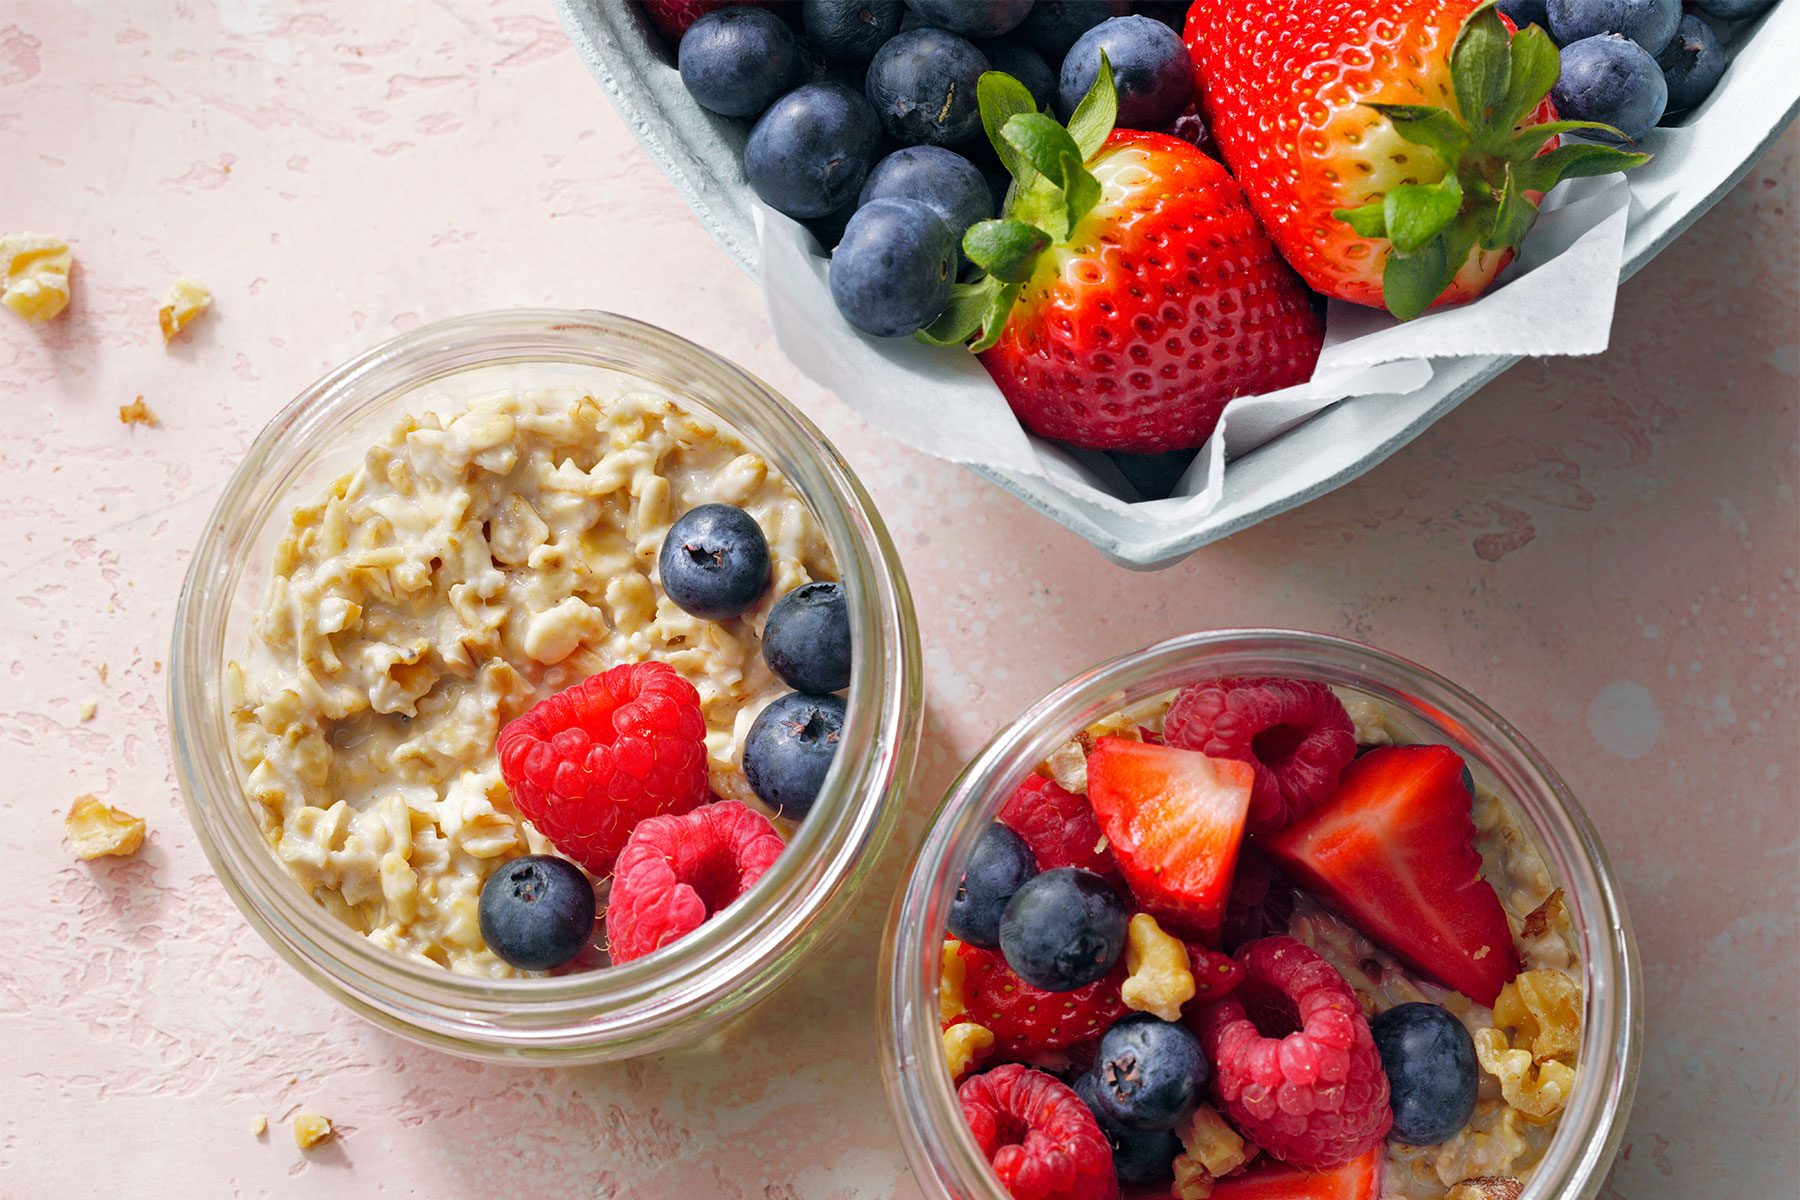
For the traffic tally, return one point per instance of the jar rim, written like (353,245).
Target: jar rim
(920,1091)
(722,964)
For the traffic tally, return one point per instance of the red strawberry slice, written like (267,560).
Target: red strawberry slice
(1358,1179)
(1394,851)
(1026,1020)
(1175,819)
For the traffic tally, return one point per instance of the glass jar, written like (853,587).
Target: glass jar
(1430,709)
(693,986)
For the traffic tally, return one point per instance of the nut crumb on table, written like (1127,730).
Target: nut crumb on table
(96,829)
(88,709)
(34,275)
(185,302)
(137,413)
(259,1125)
(310,1129)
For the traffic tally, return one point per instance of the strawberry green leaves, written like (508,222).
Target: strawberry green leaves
(1052,191)
(1493,163)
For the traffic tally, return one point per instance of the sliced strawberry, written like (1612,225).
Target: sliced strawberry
(1394,851)
(1175,819)
(1028,1021)
(1216,975)
(1358,1179)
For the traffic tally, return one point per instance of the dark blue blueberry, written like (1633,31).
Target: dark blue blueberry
(1026,65)
(1139,1155)
(1649,23)
(1151,1072)
(893,270)
(806,640)
(1692,64)
(1055,25)
(736,61)
(1613,80)
(537,912)
(789,749)
(714,561)
(942,180)
(1172,13)
(810,153)
(922,84)
(973,18)
(1735,10)
(851,30)
(1001,862)
(1063,929)
(1429,1059)
(1468,781)
(1151,70)
(1527,12)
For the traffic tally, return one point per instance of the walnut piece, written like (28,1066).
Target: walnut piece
(1209,1140)
(259,1125)
(964,1042)
(34,275)
(96,829)
(310,1129)
(1487,1187)
(137,413)
(1160,978)
(185,302)
(1543,1007)
(1537,921)
(951,975)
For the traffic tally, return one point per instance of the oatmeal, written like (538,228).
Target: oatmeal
(471,565)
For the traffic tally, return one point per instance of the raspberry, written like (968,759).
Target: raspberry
(1042,1140)
(1261,901)
(1294,732)
(1296,1066)
(1026,1020)
(677,871)
(1059,826)
(589,763)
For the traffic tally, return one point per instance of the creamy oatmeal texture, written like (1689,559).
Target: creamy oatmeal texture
(471,565)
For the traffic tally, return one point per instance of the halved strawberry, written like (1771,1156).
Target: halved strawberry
(1394,851)
(1027,1021)
(1358,1179)
(1175,819)
(1216,975)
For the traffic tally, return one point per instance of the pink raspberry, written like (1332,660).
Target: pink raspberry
(1294,732)
(1042,1140)
(1059,826)
(677,872)
(1296,1067)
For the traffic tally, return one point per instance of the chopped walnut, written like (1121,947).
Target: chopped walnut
(1487,1187)
(185,303)
(259,1125)
(950,982)
(137,413)
(34,275)
(1192,1180)
(964,1042)
(1210,1141)
(96,829)
(87,709)
(1537,921)
(310,1129)
(1160,979)
(1543,1006)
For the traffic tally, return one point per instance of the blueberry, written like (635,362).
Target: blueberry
(973,18)
(1429,1059)
(537,912)
(714,562)
(1139,1155)
(1063,929)
(1691,64)
(1172,13)
(1053,26)
(923,85)
(1527,12)
(736,61)
(1468,781)
(1735,10)
(892,272)
(1649,23)
(1151,1072)
(807,638)
(1001,863)
(811,151)
(1151,70)
(851,30)
(789,749)
(1613,80)
(942,180)
(1025,65)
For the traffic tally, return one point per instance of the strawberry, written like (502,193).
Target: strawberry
(1358,1179)
(1216,975)
(1175,819)
(1394,851)
(1392,150)
(1129,292)
(1026,1020)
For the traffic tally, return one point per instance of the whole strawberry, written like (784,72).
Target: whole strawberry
(1395,152)
(1130,293)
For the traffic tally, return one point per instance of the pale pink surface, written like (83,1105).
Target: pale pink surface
(1604,549)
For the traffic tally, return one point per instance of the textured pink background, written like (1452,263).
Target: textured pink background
(1604,549)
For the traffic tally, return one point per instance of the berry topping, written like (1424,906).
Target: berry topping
(1064,929)
(1043,1142)
(789,750)
(1429,1059)
(1026,1020)
(1001,862)
(1175,820)
(714,561)
(1139,1155)
(1394,851)
(1297,1070)
(807,638)
(537,912)
(587,764)
(1216,975)
(1059,826)
(677,872)
(1261,902)
(1294,732)
(1358,1179)
(1150,1072)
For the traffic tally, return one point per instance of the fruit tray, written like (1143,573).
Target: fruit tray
(1694,165)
